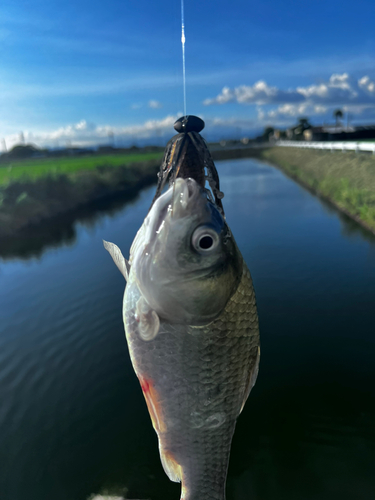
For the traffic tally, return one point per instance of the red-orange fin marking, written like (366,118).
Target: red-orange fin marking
(153,404)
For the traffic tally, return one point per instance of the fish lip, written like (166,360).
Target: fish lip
(170,201)
(157,215)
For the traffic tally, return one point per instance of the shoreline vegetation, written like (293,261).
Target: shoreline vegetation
(346,180)
(34,192)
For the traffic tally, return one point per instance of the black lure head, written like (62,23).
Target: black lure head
(187,155)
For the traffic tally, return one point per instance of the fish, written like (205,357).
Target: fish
(190,319)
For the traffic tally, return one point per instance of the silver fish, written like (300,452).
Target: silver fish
(192,330)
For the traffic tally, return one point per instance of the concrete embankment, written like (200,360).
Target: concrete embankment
(346,180)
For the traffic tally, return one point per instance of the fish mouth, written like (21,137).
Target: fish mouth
(176,202)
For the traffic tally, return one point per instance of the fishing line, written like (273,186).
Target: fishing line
(183,52)
(183,39)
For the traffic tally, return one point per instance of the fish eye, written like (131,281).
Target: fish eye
(205,239)
(205,242)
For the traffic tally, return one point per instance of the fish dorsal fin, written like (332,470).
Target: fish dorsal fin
(118,258)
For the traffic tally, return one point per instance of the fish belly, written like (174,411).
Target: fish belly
(195,382)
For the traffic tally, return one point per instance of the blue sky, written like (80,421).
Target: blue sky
(76,72)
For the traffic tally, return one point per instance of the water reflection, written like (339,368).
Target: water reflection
(62,230)
(73,421)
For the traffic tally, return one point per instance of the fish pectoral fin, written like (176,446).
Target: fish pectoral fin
(252,379)
(147,319)
(170,466)
(118,258)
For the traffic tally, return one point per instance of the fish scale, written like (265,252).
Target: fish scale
(200,379)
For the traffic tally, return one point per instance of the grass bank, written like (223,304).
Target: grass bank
(347,180)
(37,190)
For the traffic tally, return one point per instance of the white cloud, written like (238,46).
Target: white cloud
(340,81)
(314,90)
(339,90)
(295,110)
(259,93)
(319,109)
(82,125)
(289,110)
(154,104)
(367,84)
(226,96)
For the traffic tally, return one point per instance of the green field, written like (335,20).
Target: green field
(53,167)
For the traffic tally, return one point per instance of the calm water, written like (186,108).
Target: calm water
(72,418)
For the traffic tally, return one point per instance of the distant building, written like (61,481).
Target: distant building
(276,134)
(339,133)
(290,133)
(297,132)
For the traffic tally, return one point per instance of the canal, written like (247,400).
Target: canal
(73,421)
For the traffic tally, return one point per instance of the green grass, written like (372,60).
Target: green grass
(34,191)
(347,179)
(35,169)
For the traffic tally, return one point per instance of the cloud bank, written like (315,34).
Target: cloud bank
(85,134)
(88,134)
(339,90)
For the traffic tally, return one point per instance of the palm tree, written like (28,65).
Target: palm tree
(304,123)
(338,114)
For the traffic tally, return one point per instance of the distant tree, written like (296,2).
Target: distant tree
(338,114)
(23,151)
(267,132)
(304,123)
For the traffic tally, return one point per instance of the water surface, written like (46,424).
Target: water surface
(72,416)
